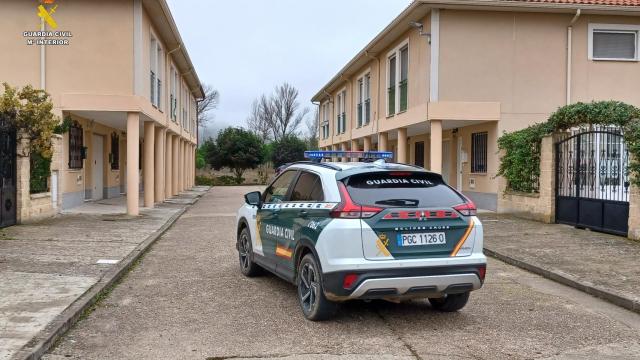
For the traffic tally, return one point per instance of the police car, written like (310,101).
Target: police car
(363,230)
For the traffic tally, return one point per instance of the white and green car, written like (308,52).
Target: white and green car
(343,231)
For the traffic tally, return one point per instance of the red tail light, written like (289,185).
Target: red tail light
(482,271)
(467,209)
(347,209)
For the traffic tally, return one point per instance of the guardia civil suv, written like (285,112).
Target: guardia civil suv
(343,231)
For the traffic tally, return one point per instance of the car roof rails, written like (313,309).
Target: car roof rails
(316,163)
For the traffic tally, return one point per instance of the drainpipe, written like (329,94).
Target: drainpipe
(317,103)
(569,49)
(43,58)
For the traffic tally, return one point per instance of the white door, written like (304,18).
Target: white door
(459,164)
(98,163)
(446,160)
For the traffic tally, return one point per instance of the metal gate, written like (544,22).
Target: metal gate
(7,173)
(592,180)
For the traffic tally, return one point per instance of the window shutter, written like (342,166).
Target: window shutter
(614,45)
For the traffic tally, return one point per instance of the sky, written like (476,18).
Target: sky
(244,48)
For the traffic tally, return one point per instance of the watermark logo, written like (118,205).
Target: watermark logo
(46,10)
(47,15)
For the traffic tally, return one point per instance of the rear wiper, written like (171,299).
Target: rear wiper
(399,202)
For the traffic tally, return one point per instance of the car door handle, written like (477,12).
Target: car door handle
(303,213)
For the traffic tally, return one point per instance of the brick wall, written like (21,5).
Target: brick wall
(540,206)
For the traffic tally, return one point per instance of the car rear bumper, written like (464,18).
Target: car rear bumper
(404,283)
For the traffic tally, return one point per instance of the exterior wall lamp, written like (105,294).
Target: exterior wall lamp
(420,27)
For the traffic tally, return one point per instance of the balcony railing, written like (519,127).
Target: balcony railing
(367,111)
(392,100)
(152,96)
(403,94)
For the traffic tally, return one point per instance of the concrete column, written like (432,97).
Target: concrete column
(194,151)
(383,141)
(343,147)
(168,170)
(147,172)
(133,151)
(176,165)
(354,147)
(180,164)
(436,146)
(367,143)
(159,164)
(402,145)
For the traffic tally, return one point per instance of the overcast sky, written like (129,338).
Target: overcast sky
(244,48)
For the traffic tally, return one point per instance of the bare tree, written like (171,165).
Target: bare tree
(287,115)
(259,119)
(313,126)
(206,106)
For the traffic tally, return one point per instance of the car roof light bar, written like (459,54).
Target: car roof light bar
(327,154)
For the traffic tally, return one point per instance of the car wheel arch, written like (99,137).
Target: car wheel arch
(304,247)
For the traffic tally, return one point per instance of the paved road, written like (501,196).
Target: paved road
(188,300)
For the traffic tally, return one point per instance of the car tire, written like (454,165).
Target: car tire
(245,255)
(315,306)
(450,302)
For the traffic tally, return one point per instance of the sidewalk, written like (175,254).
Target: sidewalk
(53,270)
(603,265)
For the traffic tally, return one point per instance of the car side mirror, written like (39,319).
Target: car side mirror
(253,198)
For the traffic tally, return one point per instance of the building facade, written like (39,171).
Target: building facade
(445,79)
(119,74)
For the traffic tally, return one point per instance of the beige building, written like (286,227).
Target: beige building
(440,83)
(120,72)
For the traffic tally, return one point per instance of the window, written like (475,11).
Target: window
(308,188)
(398,79)
(613,42)
(76,146)
(155,58)
(364,100)
(479,152)
(114,156)
(341,123)
(278,190)
(324,125)
(401,189)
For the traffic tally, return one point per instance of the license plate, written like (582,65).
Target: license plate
(414,239)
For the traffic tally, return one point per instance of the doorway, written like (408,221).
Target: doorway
(419,153)
(7,173)
(446,160)
(98,167)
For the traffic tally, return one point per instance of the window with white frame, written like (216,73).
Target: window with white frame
(613,42)
(156,61)
(364,100)
(324,125)
(398,79)
(341,115)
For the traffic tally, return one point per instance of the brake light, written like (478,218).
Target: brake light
(467,209)
(347,209)
(482,271)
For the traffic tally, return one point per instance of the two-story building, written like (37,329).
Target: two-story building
(120,72)
(446,78)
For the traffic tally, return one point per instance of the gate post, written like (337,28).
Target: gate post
(23,170)
(548,179)
(634,212)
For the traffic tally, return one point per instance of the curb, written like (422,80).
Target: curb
(48,337)
(568,280)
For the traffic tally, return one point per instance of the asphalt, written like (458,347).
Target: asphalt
(186,299)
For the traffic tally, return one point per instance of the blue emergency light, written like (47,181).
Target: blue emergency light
(327,154)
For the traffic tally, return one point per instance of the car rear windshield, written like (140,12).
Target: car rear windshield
(401,189)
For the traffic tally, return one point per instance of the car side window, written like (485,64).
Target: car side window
(308,188)
(278,190)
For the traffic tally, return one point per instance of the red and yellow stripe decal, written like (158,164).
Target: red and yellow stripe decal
(463,239)
(284,252)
